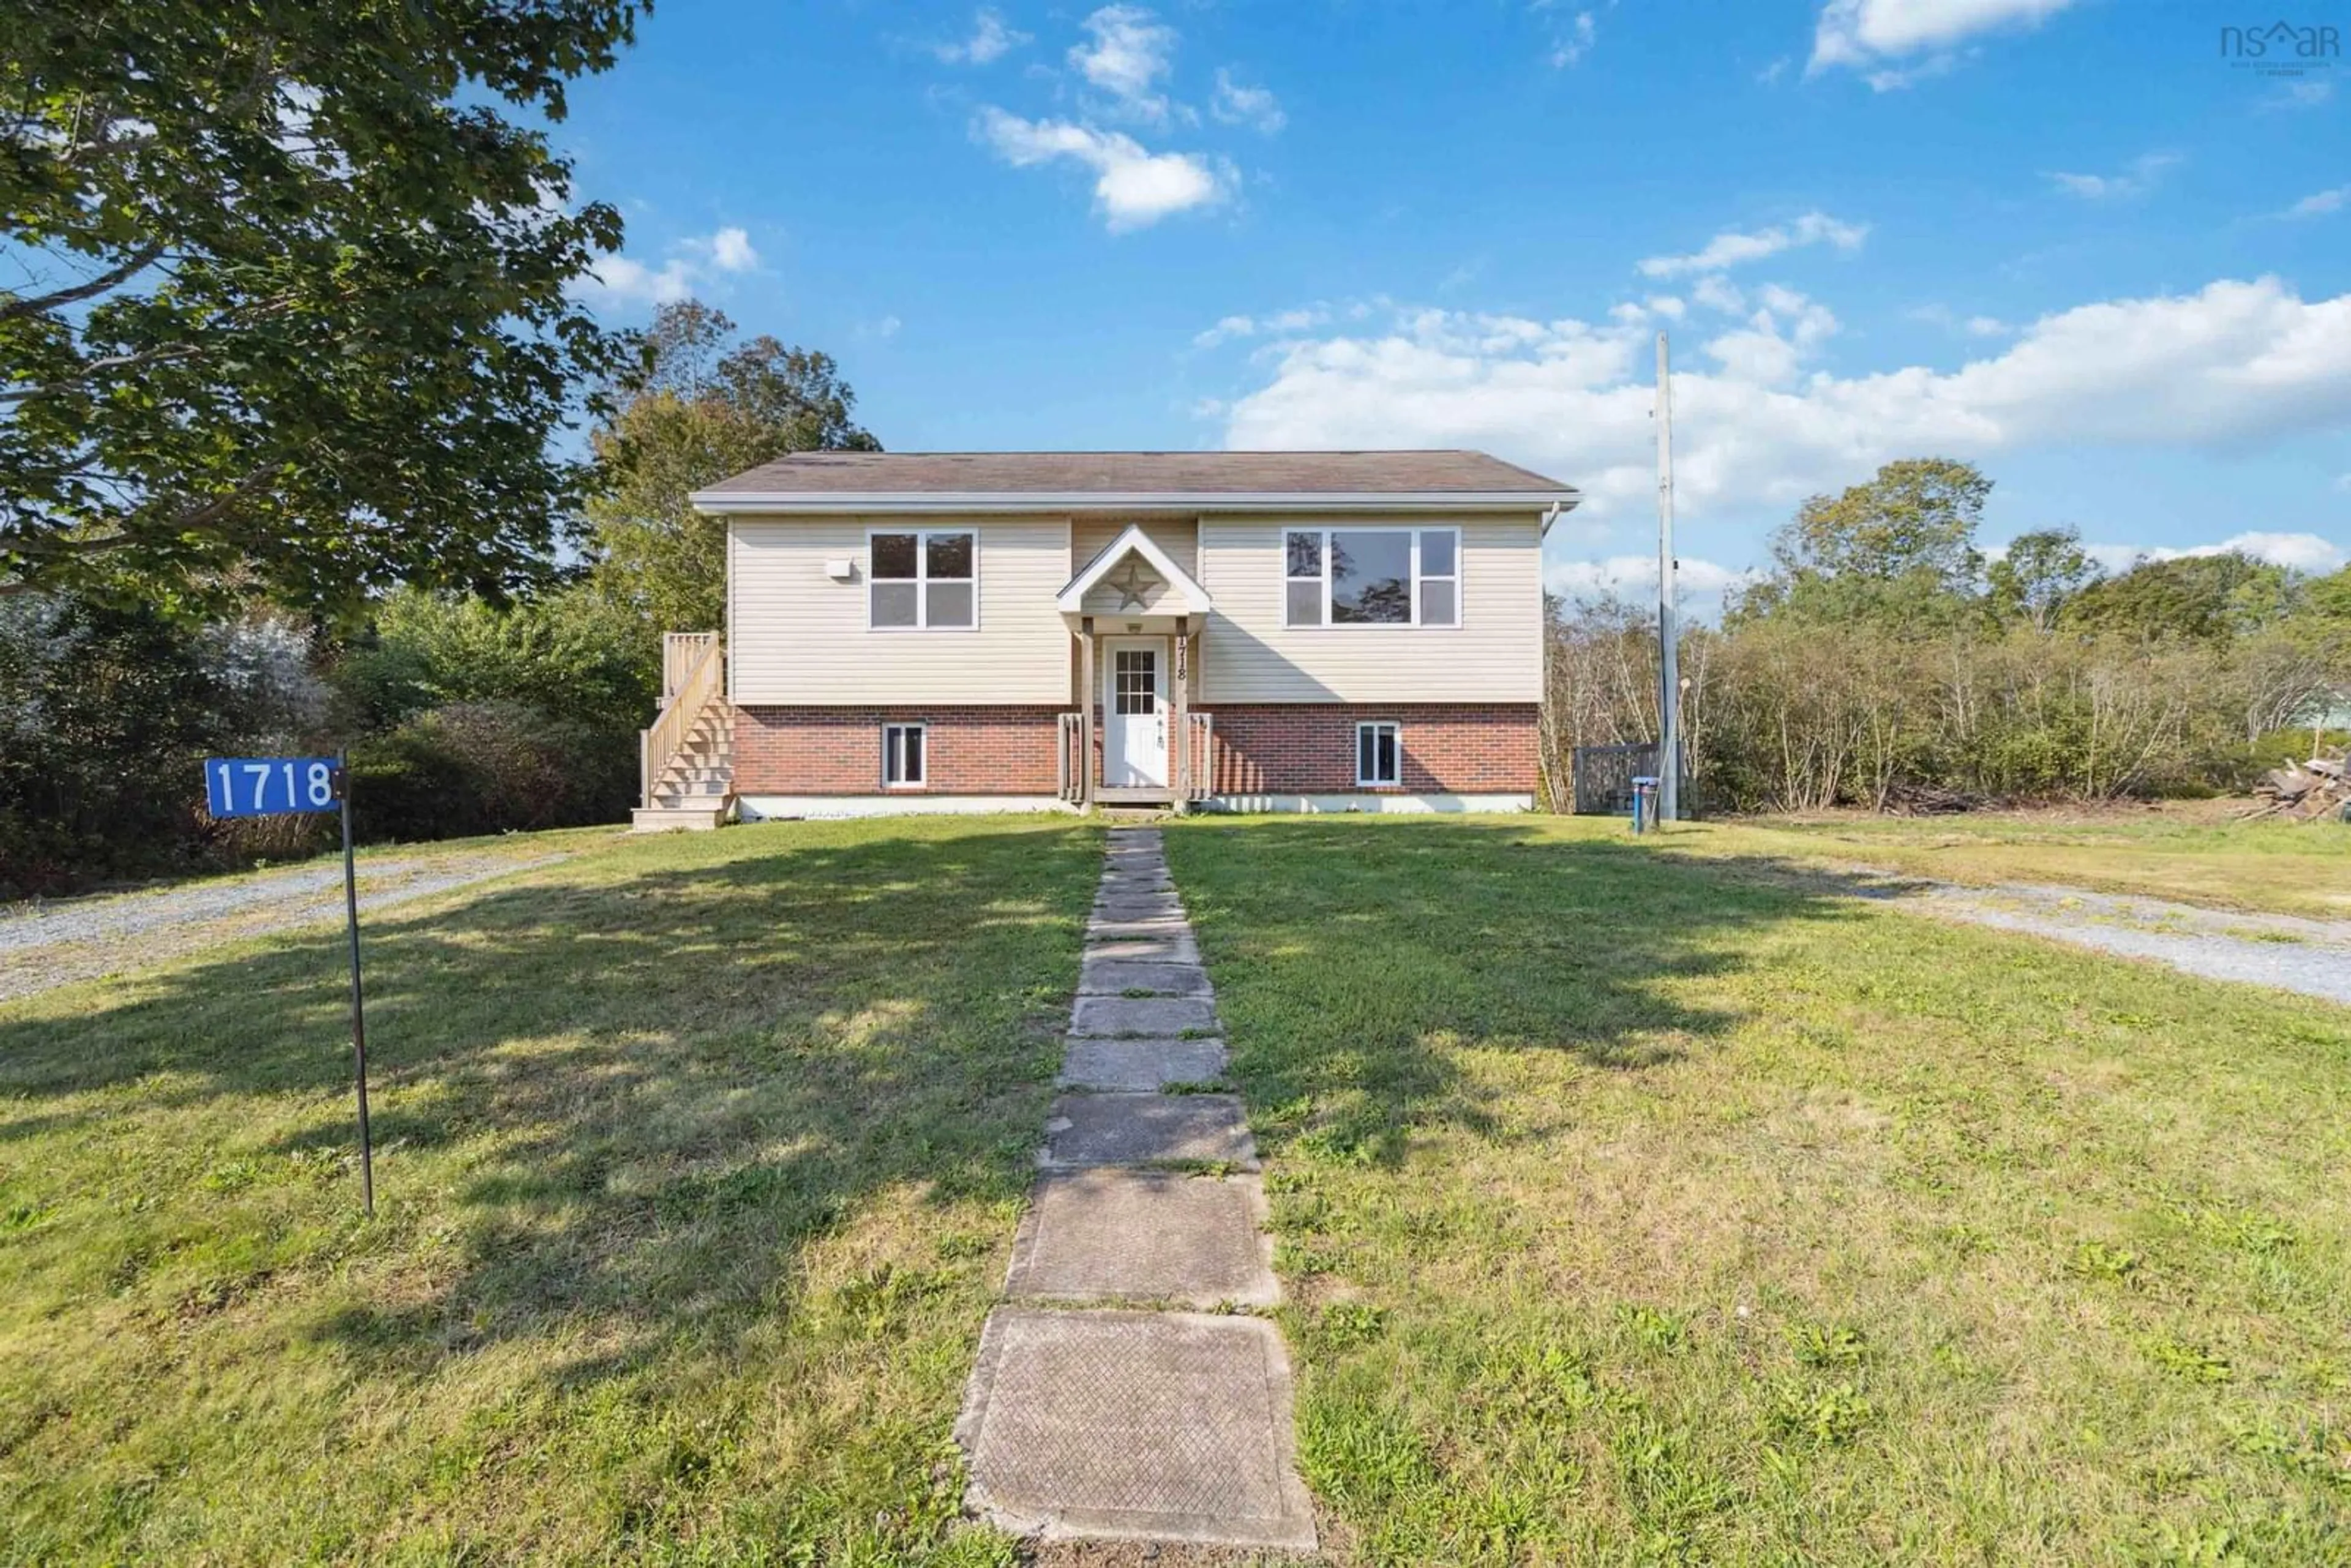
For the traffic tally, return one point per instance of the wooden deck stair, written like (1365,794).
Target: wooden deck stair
(687,761)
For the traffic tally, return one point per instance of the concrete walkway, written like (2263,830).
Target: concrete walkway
(1119,1394)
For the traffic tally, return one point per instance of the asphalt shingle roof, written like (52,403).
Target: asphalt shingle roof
(1134,473)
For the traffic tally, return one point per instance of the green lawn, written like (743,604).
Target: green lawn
(1634,1212)
(2290,868)
(699,1158)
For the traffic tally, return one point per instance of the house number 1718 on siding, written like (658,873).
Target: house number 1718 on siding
(266,786)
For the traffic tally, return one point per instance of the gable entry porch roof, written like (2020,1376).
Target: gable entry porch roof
(1183,595)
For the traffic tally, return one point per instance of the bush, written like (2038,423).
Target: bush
(107,712)
(488,767)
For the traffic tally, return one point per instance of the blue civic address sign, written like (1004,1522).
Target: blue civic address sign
(268,786)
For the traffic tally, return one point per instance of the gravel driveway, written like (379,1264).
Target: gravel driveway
(45,944)
(2293,953)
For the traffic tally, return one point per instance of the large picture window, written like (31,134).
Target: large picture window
(1372,577)
(924,581)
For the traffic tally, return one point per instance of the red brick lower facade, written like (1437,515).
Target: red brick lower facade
(838,750)
(1309,748)
(1259,748)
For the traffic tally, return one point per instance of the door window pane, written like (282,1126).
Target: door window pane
(951,604)
(893,603)
(1371,578)
(1134,681)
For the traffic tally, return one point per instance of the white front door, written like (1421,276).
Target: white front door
(1135,709)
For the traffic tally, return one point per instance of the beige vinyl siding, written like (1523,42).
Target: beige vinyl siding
(798,637)
(1495,656)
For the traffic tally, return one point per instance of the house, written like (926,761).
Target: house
(1001,631)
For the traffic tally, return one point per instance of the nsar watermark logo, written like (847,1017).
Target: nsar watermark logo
(2282,48)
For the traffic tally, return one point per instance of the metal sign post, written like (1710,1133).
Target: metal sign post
(1670,694)
(277,786)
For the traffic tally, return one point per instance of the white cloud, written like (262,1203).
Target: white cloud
(1228,328)
(2320,203)
(622,280)
(730,251)
(991,39)
(1731,247)
(693,261)
(2136,181)
(1133,187)
(1132,50)
(2234,364)
(1636,577)
(1869,35)
(1279,323)
(1237,103)
(1572,41)
(2297,552)
(1717,294)
(2301,94)
(1987,326)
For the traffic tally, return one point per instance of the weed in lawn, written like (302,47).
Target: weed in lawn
(1817,1345)
(1655,1328)
(2182,1359)
(2097,1260)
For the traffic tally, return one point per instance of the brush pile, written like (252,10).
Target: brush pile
(2308,791)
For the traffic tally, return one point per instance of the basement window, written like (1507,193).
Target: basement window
(1379,753)
(904,755)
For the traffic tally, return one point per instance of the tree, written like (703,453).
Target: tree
(1898,551)
(2040,573)
(693,412)
(2209,598)
(296,306)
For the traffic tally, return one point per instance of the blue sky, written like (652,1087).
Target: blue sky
(2067,239)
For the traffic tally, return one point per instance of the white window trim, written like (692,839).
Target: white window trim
(1387,724)
(921,729)
(1327,624)
(921,578)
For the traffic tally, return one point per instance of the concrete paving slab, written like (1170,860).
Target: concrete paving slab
(1146,1129)
(1142,1065)
(1173,946)
(1109,1017)
(1100,928)
(1138,906)
(1135,1426)
(1101,976)
(1145,1235)
(1130,884)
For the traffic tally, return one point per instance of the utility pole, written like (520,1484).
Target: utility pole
(1669,718)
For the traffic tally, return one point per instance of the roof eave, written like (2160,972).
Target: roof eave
(722,503)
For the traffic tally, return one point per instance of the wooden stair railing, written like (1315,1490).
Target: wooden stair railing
(692,676)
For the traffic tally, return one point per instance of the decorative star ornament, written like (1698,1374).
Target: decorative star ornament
(1132,583)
